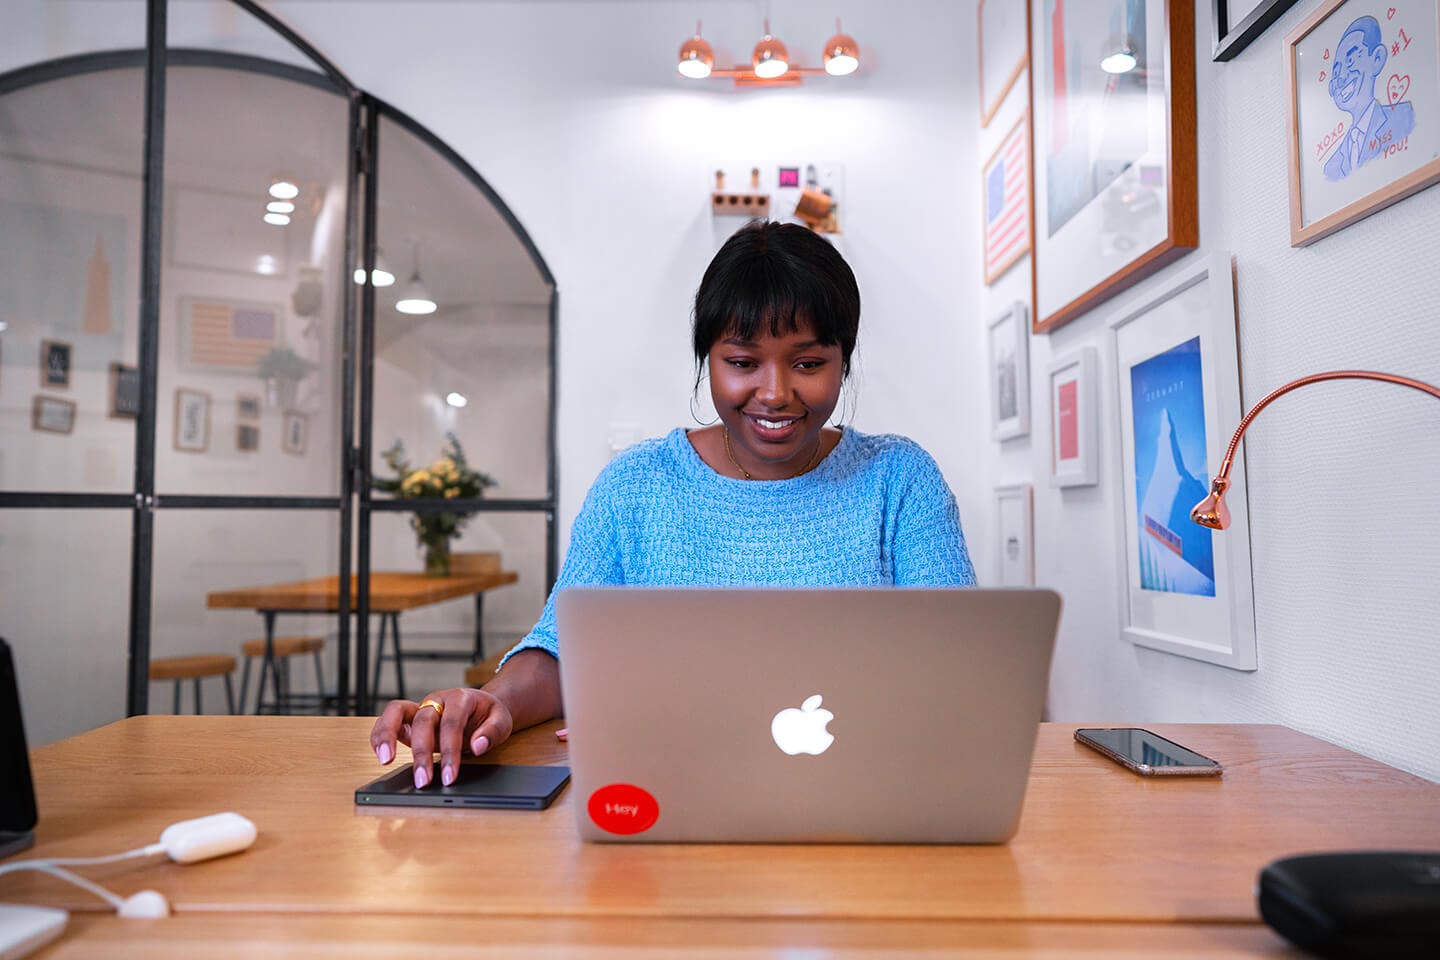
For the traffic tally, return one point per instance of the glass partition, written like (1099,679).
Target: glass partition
(50,30)
(70,155)
(251,305)
(65,611)
(223,577)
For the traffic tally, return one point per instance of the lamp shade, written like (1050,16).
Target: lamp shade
(770,59)
(696,58)
(414,298)
(842,55)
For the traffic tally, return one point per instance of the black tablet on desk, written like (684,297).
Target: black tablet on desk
(490,785)
(17,792)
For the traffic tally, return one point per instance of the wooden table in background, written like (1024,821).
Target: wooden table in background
(390,595)
(1105,863)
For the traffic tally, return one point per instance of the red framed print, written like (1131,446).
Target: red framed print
(1074,420)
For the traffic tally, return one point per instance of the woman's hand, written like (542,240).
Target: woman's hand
(464,717)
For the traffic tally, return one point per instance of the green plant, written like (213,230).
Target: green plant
(284,363)
(450,478)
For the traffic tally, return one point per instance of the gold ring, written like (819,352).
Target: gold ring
(439,707)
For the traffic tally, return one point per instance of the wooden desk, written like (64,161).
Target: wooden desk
(1105,862)
(390,595)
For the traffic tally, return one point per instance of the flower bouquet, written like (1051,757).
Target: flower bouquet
(449,478)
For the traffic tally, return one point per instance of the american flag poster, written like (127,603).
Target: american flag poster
(1007,202)
(225,335)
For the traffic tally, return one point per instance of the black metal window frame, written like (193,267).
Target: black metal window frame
(357,331)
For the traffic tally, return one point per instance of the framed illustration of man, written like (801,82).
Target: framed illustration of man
(1112,108)
(1364,110)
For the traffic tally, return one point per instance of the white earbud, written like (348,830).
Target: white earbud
(145,905)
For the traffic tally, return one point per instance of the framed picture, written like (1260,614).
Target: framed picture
(1006,199)
(247,406)
(192,420)
(1239,22)
(1010,373)
(55,358)
(1184,588)
(1004,27)
(296,432)
(1074,420)
(1364,110)
(247,437)
(124,392)
(1015,536)
(219,335)
(52,415)
(1115,177)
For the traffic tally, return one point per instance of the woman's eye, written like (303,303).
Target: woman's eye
(742,364)
(810,364)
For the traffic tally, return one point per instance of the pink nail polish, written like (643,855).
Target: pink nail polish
(383,753)
(422,777)
(480,745)
(447,775)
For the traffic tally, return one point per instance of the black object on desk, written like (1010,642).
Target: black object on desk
(491,785)
(1363,904)
(17,792)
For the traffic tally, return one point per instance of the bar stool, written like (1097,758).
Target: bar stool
(283,648)
(479,674)
(195,668)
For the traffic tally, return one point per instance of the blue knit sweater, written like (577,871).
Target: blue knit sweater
(875,511)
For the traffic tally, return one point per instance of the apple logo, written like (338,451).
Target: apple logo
(803,730)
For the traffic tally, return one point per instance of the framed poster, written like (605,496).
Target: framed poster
(192,420)
(1009,345)
(1238,23)
(1006,200)
(296,431)
(1015,535)
(1004,30)
(219,335)
(1074,420)
(1115,178)
(55,360)
(1364,110)
(52,415)
(247,406)
(124,392)
(1185,589)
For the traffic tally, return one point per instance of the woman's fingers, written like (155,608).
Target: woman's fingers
(389,726)
(453,724)
(424,725)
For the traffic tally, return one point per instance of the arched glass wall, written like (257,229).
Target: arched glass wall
(170,457)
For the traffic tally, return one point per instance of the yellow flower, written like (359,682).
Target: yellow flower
(452,493)
(415,481)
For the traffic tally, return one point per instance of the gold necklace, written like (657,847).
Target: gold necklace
(814,458)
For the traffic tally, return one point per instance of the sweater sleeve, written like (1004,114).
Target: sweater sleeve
(592,560)
(928,547)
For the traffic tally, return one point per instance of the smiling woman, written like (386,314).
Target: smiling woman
(768,496)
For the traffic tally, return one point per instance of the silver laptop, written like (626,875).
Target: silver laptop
(856,715)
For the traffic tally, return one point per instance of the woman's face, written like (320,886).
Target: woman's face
(774,395)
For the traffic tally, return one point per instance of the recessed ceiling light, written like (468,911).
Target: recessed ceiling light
(284,190)
(278,219)
(280,206)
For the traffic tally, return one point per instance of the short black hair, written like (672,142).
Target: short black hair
(777,277)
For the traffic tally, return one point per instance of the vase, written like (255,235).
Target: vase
(437,557)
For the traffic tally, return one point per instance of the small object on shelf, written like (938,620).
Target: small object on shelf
(740,204)
(719,180)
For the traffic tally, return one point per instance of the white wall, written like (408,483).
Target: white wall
(1344,517)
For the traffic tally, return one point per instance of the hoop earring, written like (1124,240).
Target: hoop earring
(696,417)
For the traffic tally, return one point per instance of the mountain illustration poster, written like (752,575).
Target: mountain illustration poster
(1168,411)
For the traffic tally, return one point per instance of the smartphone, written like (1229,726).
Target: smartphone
(1148,754)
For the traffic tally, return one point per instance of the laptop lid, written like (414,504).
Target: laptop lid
(872,715)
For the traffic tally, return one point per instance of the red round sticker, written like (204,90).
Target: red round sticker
(623,808)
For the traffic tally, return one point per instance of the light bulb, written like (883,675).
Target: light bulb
(280,206)
(456,400)
(284,190)
(278,219)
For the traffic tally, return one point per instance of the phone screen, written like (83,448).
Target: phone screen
(1143,748)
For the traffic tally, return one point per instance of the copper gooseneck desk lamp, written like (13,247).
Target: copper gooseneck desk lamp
(1371,903)
(1212,512)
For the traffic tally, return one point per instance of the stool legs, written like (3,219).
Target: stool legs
(176,708)
(229,694)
